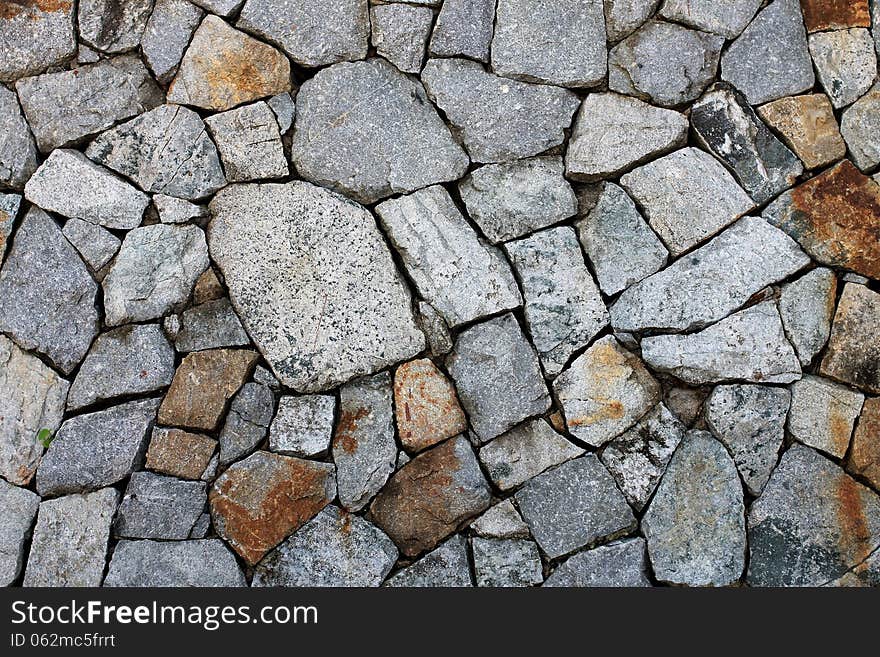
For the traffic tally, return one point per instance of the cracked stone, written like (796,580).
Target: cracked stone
(18,153)
(249,143)
(464,29)
(853,354)
(210,325)
(179,453)
(113,27)
(153,564)
(20,507)
(96,245)
(220,7)
(303,426)
(621,564)
(35,36)
(447,567)
(728,19)
(247,422)
(622,17)
(159,507)
(860,127)
(846,64)
(167,34)
(426,408)
(808,126)
(823,414)
(806,306)
(864,456)
(512,562)
(400,34)
(501,521)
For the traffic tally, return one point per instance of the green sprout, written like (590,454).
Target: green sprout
(45,437)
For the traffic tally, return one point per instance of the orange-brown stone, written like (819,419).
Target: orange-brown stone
(835,14)
(426,408)
(864,457)
(853,353)
(180,453)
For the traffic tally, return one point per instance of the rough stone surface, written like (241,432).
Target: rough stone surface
(35,36)
(167,34)
(159,507)
(846,63)
(18,153)
(435,329)
(806,306)
(446,566)
(506,562)
(463,29)
(179,453)
(426,408)
(96,245)
(303,426)
(200,563)
(860,127)
(247,422)
(621,564)
(836,14)
(728,19)
(19,509)
(249,143)
(400,34)
(864,456)
(501,521)
(853,354)
(113,27)
(622,17)
(808,126)
(210,325)
(823,414)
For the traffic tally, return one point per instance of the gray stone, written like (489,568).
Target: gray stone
(210,325)
(865,574)
(47,297)
(695,525)
(619,243)
(35,36)
(621,564)
(177,211)
(69,547)
(498,119)
(72,185)
(770,59)
(622,17)
(96,245)
(176,563)
(18,153)
(400,34)
(364,449)
(446,566)
(728,18)
(604,392)
(860,127)
(638,457)
(813,524)
(712,281)
(687,196)
(514,199)
(750,421)
(249,143)
(97,449)
(435,329)
(159,507)
(167,35)
(111,26)
(846,63)
(561,43)
(247,422)
(129,360)
(332,549)
(512,562)
(501,521)
(525,452)
(728,127)
(612,133)
(9,206)
(749,346)
(220,7)
(202,526)
(155,271)
(806,306)
(66,107)
(284,109)
(264,376)
(573,505)
(664,63)
(464,29)
(165,151)
(303,426)
(19,509)
(314,283)
(461,277)
(563,307)
(823,414)
(86,55)
(367,130)
(498,377)
(853,352)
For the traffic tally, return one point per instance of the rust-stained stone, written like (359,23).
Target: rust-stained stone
(428,498)
(426,407)
(208,288)
(853,353)
(808,126)
(180,453)
(864,457)
(202,385)
(835,217)
(260,501)
(835,14)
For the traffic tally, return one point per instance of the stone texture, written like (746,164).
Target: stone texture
(864,456)
(179,453)
(284,108)
(728,19)
(260,501)
(159,507)
(18,153)
(35,36)
(510,562)
(210,325)
(621,564)
(808,126)
(167,34)
(247,422)
(436,331)
(303,425)
(806,306)
(178,563)
(400,34)
(313,282)
(464,29)
(426,408)
(836,14)
(113,27)
(853,354)
(249,143)
(498,119)
(860,127)
(622,17)
(220,7)
(846,64)
(501,521)
(96,245)
(19,509)
(823,414)
(447,566)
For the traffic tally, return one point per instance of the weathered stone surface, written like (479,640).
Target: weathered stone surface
(165,151)
(770,59)
(175,563)
(864,456)
(506,562)
(835,217)
(846,63)
(464,29)
(426,408)
(559,43)
(749,345)
(525,452)
(498,119)
(35,35)
(497,375)
(303,426)
(808,126)
(435,329)
(823,414)
(64,108)
(728,127)
(364,449)
(750,421)
(159,507)
(621,564)
(687,196)
(48,309)
(111,26)
(638,457)
(813,524)
(313,282)
(712,281)
(220,7)
(860,127)
(853,354)
(333,549)
(447,566)
(249,143)
(514,199)
(95,245)
(501,521)
(18,153)
(260,501)
(223,67)
(208,288)
(836,14)
(210,325)
(623,17)
(664,63)
(179,453)
(806,306)
(247,422)
(19,509)
(429,497)
(70,540)
(97,449)
(573,505)
(400,34)
(604,392)
(203,384)
(284,108)
(167,34)
(368,131)
(695,525)
(155,270)
(563,307)
(728,19)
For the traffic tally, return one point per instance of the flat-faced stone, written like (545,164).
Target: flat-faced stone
(153,564)
(864,456)
(860,127)
(501,521)
(806,306)
(48,309)
(808,126)
(367,130)
(314,283)
(853,354)
(159,507)
(260,501)
(497,375)
(434,327)
(167,34)
(35,35)
(835,14)
(208,288)
(96,245)
(620,564)
(446,566)
(303,426)
(846,63)
(464,29)
(203,384)
(498,119)
(111,26)
(429,497)
(179,453)
(210,325)
(426,408)
(19,509)
(622,17)
(823,414)
(509,562)
(400,34)
(728,19)
(247,422)
(249,143)
(18,153)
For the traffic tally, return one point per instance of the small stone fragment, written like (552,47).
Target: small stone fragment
(159,507)
(208,288)
(111,26)
(864,456)
(846,63)
(35,36)
(501,521)
(506,562)
(808,126)
(622,17)
(19,509)
(284,108)
(621,564)
(435,329)
(210,325)
(853,354)
(400,34)
(18,153)
(249,143)
(96,245)
(179,453)
(426,408)
(247,422)
(153,564)
(446,567)
(728,18)
(685,403)
(177,211)
(220,7)
(303,426)
(834,15)
(860,127)
(806,306)
(168,33)
(823,414)
(464,29)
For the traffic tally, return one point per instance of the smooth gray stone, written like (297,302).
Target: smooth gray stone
(159,507)
(96,245)
(622,564)
(210,325)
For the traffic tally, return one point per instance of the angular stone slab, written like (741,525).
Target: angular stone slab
(167,34)
(18,153)
(860,128)
(621,564)
(725,18)
(447,566)
(159,507)
(113,27)
(303,425)
(823,414)
(864,456)
(509,562)
(464,29)
(153,564)
(853,354)
(806,306)
(808,126)
(426,407)
(35,36)
(400,34)
(19,509)
(845,62)
(179,453)
(249,143)
(823,15)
